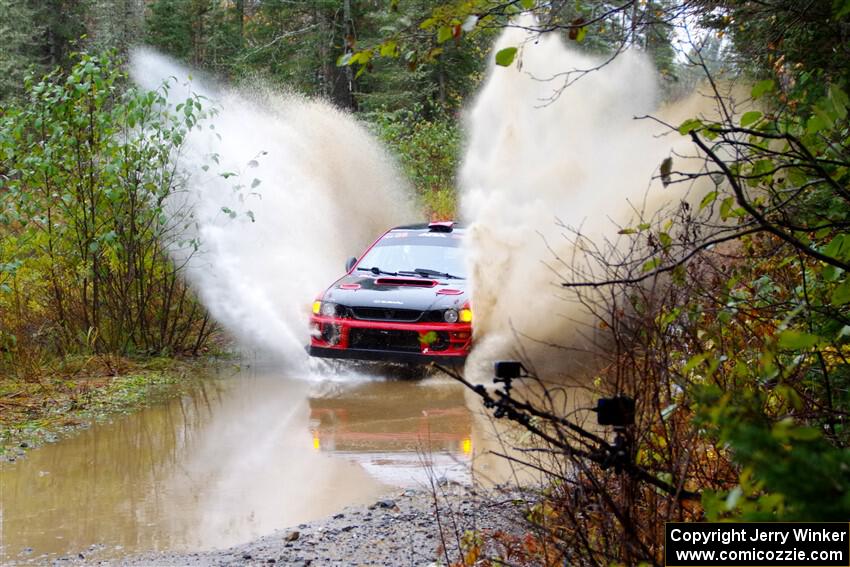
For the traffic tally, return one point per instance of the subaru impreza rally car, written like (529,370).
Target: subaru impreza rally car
(405,300)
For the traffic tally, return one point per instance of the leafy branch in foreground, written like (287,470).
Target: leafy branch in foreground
(727,318)
(601,27)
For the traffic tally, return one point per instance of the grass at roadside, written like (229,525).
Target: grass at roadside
(76,391)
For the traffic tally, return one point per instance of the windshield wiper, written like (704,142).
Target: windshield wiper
(378,271)
(425,272)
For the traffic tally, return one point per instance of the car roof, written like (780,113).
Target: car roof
(426,227)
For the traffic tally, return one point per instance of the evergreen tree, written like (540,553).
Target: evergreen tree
(296,44)
(114,24)
(62,24)
(19,55)
(168,27)
(431,77)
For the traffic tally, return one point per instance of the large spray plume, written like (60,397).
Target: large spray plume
(541,161)
(282,190)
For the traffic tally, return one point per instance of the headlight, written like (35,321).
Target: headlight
(328,309)
(450,316)
(466,315)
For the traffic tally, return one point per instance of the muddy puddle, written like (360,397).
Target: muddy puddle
(245,452)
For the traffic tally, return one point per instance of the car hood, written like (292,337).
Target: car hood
(400,292)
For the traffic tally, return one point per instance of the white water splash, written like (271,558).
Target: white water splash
(326,190)
(534,161)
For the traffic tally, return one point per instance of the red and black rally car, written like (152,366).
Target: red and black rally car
(405,300)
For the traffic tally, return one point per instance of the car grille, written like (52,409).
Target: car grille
(386,314)
(399,315)
(379,339)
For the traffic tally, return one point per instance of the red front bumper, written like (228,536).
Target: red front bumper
(444,343)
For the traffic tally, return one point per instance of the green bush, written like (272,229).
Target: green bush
(88,164)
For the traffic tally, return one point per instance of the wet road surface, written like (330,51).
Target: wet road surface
(245,452)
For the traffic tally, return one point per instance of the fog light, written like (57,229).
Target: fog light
(466,315)
(450,316)
(317,306)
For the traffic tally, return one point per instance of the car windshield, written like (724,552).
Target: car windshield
(429,254)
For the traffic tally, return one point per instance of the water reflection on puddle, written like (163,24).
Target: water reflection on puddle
(243,454)
(400,432)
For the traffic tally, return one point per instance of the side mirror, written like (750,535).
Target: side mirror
(350,263)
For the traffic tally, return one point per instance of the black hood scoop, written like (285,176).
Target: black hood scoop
(405,282)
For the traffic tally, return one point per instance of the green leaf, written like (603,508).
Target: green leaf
(650,264)
(749,118)
(527,4)
(816,123)
(444,33)
(804,433)
(693,362)
(797,340)
(841,294)
(831,273)
(827,113)
(344,59)
(678,274)
(361,57)
(838,247)
(506,56)
(581,33)
(433,53)
(708,199)
(577,30)
(726,207)
(689,125)
(665,239)
(389,49)
(839,99)
(428,338)
(761,88)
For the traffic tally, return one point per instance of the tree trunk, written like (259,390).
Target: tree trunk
(240,21)
(342,79)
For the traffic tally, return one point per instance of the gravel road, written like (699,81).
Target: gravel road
(402,529)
